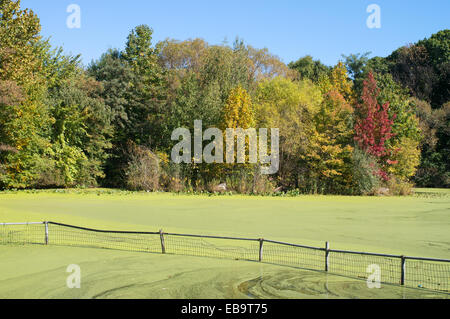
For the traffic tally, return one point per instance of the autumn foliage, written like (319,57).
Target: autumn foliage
(373,127)
(352,128)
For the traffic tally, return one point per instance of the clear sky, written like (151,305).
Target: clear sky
(290,29)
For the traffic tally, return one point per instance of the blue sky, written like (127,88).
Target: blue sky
(290,29)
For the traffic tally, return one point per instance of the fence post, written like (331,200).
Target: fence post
(402,276)
(327,252)
(261,242)
(163,245)
(46,233)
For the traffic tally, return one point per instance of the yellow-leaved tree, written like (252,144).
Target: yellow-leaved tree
(289,106)
(238,111)
(238,114)
(329,153)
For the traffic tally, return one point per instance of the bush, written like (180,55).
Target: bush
(248,180)
(366,179)
(143,169)
(262,184)
(406,158)
(171,175)
(398,187)
(49,175)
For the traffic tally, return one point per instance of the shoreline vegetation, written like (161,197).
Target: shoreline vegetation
(416,192)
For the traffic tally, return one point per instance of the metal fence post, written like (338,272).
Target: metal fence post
(46,233)
(163,245)
(402,276)
(327,253)
(261,242)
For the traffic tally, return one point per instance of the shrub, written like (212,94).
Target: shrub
(143,169)
(262,184)
(366,178)
(405,158)
(249,180)
(171,175)
(399,187)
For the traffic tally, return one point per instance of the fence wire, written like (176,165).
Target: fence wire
(410,271)
(27,233)
(359,265)
(293,255)
(211,247)
(427,274)
(130,241)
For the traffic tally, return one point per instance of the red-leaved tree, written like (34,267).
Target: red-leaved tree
(373,127)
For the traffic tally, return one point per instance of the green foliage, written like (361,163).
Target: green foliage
(423,67)
(134,91)
(115,75)
(434,169)
(225,68)
(405,123)
(81,130)
(308,68)
(356,64)
(24,119)
(145,99)
(438,49)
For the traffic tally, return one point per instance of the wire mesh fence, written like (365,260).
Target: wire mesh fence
(211,246)
(356,265)
(432,274)
(66,235)
(22,233)
(293,255)
(428,273)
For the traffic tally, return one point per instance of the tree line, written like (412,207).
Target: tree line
(359,127)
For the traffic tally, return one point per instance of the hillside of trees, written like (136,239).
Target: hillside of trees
(362,125)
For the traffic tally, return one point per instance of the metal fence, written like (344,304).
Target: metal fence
(428,273)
